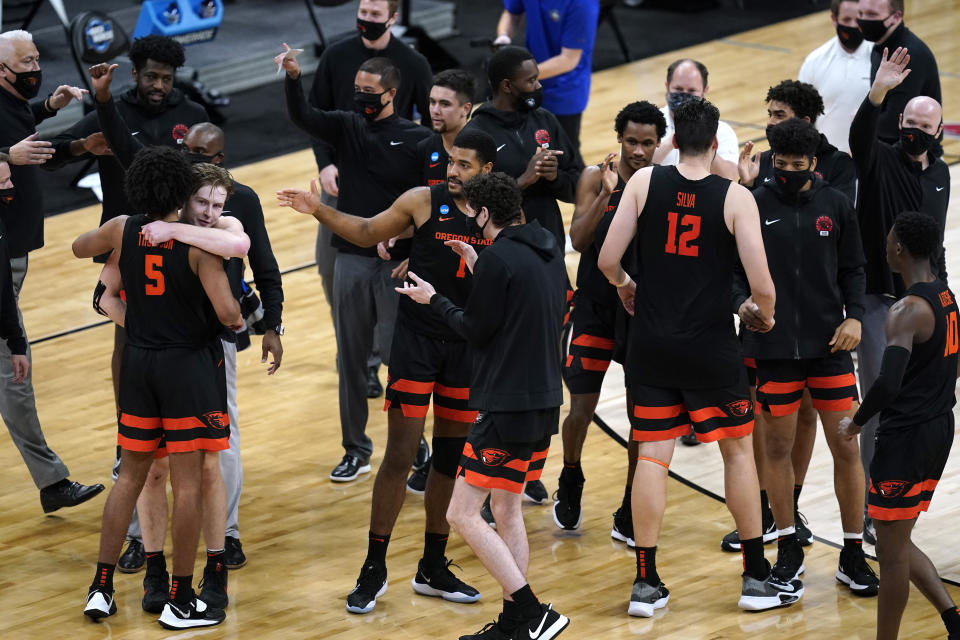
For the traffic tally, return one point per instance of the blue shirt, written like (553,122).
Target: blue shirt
(556,24)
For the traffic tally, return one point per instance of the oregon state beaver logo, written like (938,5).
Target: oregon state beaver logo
(179,132)
(217,419)
(493,457)
(893,488)
(739,408)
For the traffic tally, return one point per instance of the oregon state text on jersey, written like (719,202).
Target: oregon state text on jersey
(682,336)
(437,263)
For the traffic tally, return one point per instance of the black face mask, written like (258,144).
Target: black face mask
(6,196)
(371,30)
(27,83)
(850,37)
(677,99)
(791,181)
(873,30)
(769,128)
(474,229)
(915,141)
(368,104)
(530,100)
(199,158)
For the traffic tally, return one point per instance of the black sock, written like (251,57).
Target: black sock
(526,602)
(573,471)
(951,618)
(434,549)
(852,544)
(647,565)
(511,618)
(214,557)
(754,564)
(103,580)
(797,488)
(156,562)
(377,549)
(181,589)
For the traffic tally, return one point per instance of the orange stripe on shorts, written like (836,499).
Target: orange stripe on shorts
(831,382)
(657,413)
(594,342)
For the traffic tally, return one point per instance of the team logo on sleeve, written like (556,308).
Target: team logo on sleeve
(493,457)
(217,419)
(542,136)
(824,225)
(893,488)
(739,408)
(179,132)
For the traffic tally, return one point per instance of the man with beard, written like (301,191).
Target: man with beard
(640,127)
(427,357)
(22,221)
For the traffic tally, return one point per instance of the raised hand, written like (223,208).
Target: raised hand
(101,75)
(891,72)
(548,164)
(749,165)
(158,232)
(63,95)
(299,200)
(608,174)
(465,251)
(421,291)
(288,61)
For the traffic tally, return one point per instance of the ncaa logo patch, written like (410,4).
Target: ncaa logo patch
(493,457)
(444,209)
(434,156)
(893,488)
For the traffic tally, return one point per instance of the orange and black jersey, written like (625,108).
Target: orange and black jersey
(682,334)
(437,263)
(166,304)
(590,280)
(928,388)
(433,159)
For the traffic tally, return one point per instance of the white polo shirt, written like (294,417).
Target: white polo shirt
(728,148)
(843,80)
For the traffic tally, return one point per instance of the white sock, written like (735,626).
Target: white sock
(852,536)
(789,531)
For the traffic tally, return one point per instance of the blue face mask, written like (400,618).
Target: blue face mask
(676,99)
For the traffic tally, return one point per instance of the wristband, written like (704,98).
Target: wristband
(626,281)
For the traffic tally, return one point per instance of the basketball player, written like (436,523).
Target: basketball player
(173,390)
(640,126)
(687,227)
(427,357)
(451,101)
(914,394)
(512,321)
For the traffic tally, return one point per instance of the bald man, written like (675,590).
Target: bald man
(904,176)
(687,78)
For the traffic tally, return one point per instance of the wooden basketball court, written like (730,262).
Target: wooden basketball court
(306,537)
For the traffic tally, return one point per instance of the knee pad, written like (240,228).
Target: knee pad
(446,455)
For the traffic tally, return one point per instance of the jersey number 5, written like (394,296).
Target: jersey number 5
(690,233)
(151,268)
(952,342)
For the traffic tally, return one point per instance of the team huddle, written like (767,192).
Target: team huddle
(733,287)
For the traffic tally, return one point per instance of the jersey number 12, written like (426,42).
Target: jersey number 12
(691,231)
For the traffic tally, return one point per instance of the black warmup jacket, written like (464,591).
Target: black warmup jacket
(10,329)
(518,134)
(816,261)
(165,127)
(333,83)
(377,160)
(22,218)
(833,167)
(244,205)
(512,321)
(890,183)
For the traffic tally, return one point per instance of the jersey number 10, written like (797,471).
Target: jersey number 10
(691,231)
(952,342)
(151,267)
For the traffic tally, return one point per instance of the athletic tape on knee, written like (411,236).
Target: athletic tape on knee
(98,292)
(654,461)
(446,455)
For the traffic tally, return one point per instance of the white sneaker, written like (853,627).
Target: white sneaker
(194,614)
(99,604)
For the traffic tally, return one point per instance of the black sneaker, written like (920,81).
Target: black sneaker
(869,532)
(371,584)
(804,535)
(213,586)
(441,583)
(490,631)
(545,625)
(233,556)
(535,492)
(856,573)
(646,598)
(789,564)
(133,559)
(374,388)
(99,604)
(156,590)
(760,595)
(623,526)
(567,513)
(423,454)
(348,469)
(487,514)
(417,482)
(731,541)
(194,614)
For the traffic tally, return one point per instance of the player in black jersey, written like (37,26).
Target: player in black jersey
(915,395)
(639,127)
(687,227)
(173,391)
(451,100)
(428,358)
